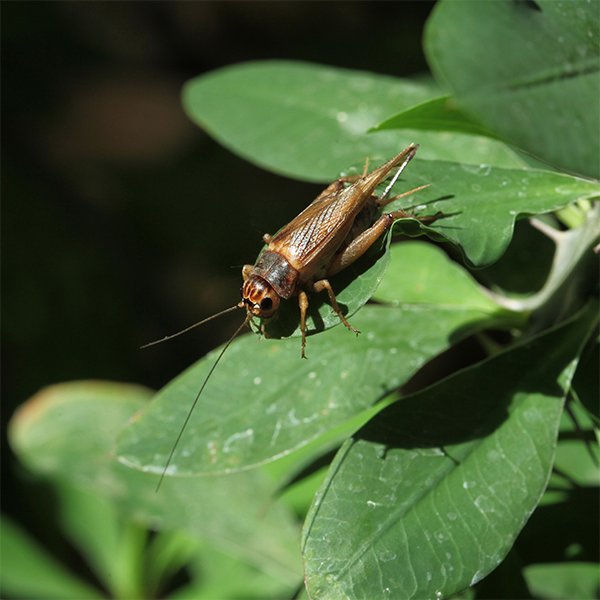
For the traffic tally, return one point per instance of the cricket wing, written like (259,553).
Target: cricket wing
(314,236)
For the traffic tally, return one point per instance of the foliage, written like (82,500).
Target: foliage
(427,492)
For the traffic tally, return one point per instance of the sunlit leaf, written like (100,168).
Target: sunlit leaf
(311,121)
(563,581)
(528,70)
(429,496)
(438,114)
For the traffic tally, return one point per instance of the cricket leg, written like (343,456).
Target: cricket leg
(323,284)
(386,201)
(362,242)
(332,188)
(338,184)
(403,214)
(303,302)
(359,245)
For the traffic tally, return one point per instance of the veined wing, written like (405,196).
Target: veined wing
(317,232)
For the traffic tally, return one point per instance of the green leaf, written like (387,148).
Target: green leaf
(217,575)
(422,273)
(523,269)
(481,203)
(263,401)
(311,122)
(29,571)
(573,458)
(168,552)
(527,70)
(69,431)
(429,496)
(563,581)
(438,114)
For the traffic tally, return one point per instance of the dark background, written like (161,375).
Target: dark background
(122,221)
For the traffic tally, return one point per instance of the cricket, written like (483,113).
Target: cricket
(335,230)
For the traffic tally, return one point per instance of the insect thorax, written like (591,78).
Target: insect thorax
(275,269)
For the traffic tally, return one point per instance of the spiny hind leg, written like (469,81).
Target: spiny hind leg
(359,245)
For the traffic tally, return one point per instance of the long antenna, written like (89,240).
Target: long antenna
(200,392)
(168,337)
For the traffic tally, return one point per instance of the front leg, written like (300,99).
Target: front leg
(303,303)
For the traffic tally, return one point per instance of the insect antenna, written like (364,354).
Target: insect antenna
(201,390)
(168,337)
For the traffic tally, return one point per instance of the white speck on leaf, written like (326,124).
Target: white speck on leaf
(387,556)
(244,437)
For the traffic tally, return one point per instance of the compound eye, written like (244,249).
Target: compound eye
(266,304)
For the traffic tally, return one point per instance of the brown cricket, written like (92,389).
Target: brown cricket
(330,234)
(326,237)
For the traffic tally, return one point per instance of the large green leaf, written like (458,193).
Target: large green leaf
(68,432)
(263,401)
(310,121)
(429,496)
(481,203)
(527,70)
(417,266)
(438,114)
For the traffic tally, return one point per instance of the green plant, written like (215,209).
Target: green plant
(428,492)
